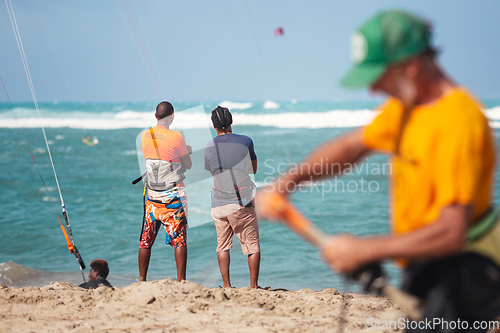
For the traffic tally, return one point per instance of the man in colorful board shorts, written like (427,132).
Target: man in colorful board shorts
(445,230)
(230,158)
(167,158)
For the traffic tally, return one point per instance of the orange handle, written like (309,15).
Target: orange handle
(70,246)
(296,221)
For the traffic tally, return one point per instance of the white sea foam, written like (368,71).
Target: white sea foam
(271,105)
(130,114)
(196,118)
(49,188)
(39,151)
(329,119)
(188,120)
(235,106)
(493,113)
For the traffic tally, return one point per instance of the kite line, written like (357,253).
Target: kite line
(69,238)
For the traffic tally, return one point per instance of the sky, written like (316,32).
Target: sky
(150,50)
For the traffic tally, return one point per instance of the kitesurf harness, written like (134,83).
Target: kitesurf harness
(484,236)
(68,235)
(163,175)
(484,225)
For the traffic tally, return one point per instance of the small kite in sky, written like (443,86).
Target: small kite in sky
(279,31)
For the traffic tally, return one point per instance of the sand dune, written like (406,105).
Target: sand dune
(170,306)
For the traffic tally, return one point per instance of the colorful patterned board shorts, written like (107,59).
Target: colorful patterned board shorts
(170,209)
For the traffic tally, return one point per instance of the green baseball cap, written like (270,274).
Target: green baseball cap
(386,38)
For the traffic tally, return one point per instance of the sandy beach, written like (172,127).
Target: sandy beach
(170,306)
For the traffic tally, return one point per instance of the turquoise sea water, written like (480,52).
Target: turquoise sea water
(105,209)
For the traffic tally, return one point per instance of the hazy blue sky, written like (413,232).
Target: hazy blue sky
(127,50)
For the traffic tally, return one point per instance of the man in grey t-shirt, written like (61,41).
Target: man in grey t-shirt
(230,158)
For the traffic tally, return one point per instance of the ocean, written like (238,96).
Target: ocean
(105,209)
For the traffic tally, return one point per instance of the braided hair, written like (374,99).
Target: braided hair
(221,118)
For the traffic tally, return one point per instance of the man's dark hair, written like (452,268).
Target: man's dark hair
(100,266)
(221,118)
(164,109)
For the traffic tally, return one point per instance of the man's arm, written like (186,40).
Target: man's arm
(186,161)
(330,158)
(254,166)
(340,152)
(446,236)
(253,158)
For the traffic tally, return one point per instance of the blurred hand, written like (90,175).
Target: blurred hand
(189,149)
(344,253)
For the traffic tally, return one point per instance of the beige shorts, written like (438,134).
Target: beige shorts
(242,221)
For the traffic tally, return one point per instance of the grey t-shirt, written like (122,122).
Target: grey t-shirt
(228,157)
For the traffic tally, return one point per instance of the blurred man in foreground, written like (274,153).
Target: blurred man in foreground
(445,230)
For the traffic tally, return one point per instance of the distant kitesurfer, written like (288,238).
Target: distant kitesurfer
(89,141)
(230,158)
(98,273)
(445,230)
(167,158)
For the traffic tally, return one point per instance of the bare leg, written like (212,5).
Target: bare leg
(144,256)
(254,266)
(181,262)
(224,260)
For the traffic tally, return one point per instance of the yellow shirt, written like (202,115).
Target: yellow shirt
(447,155)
